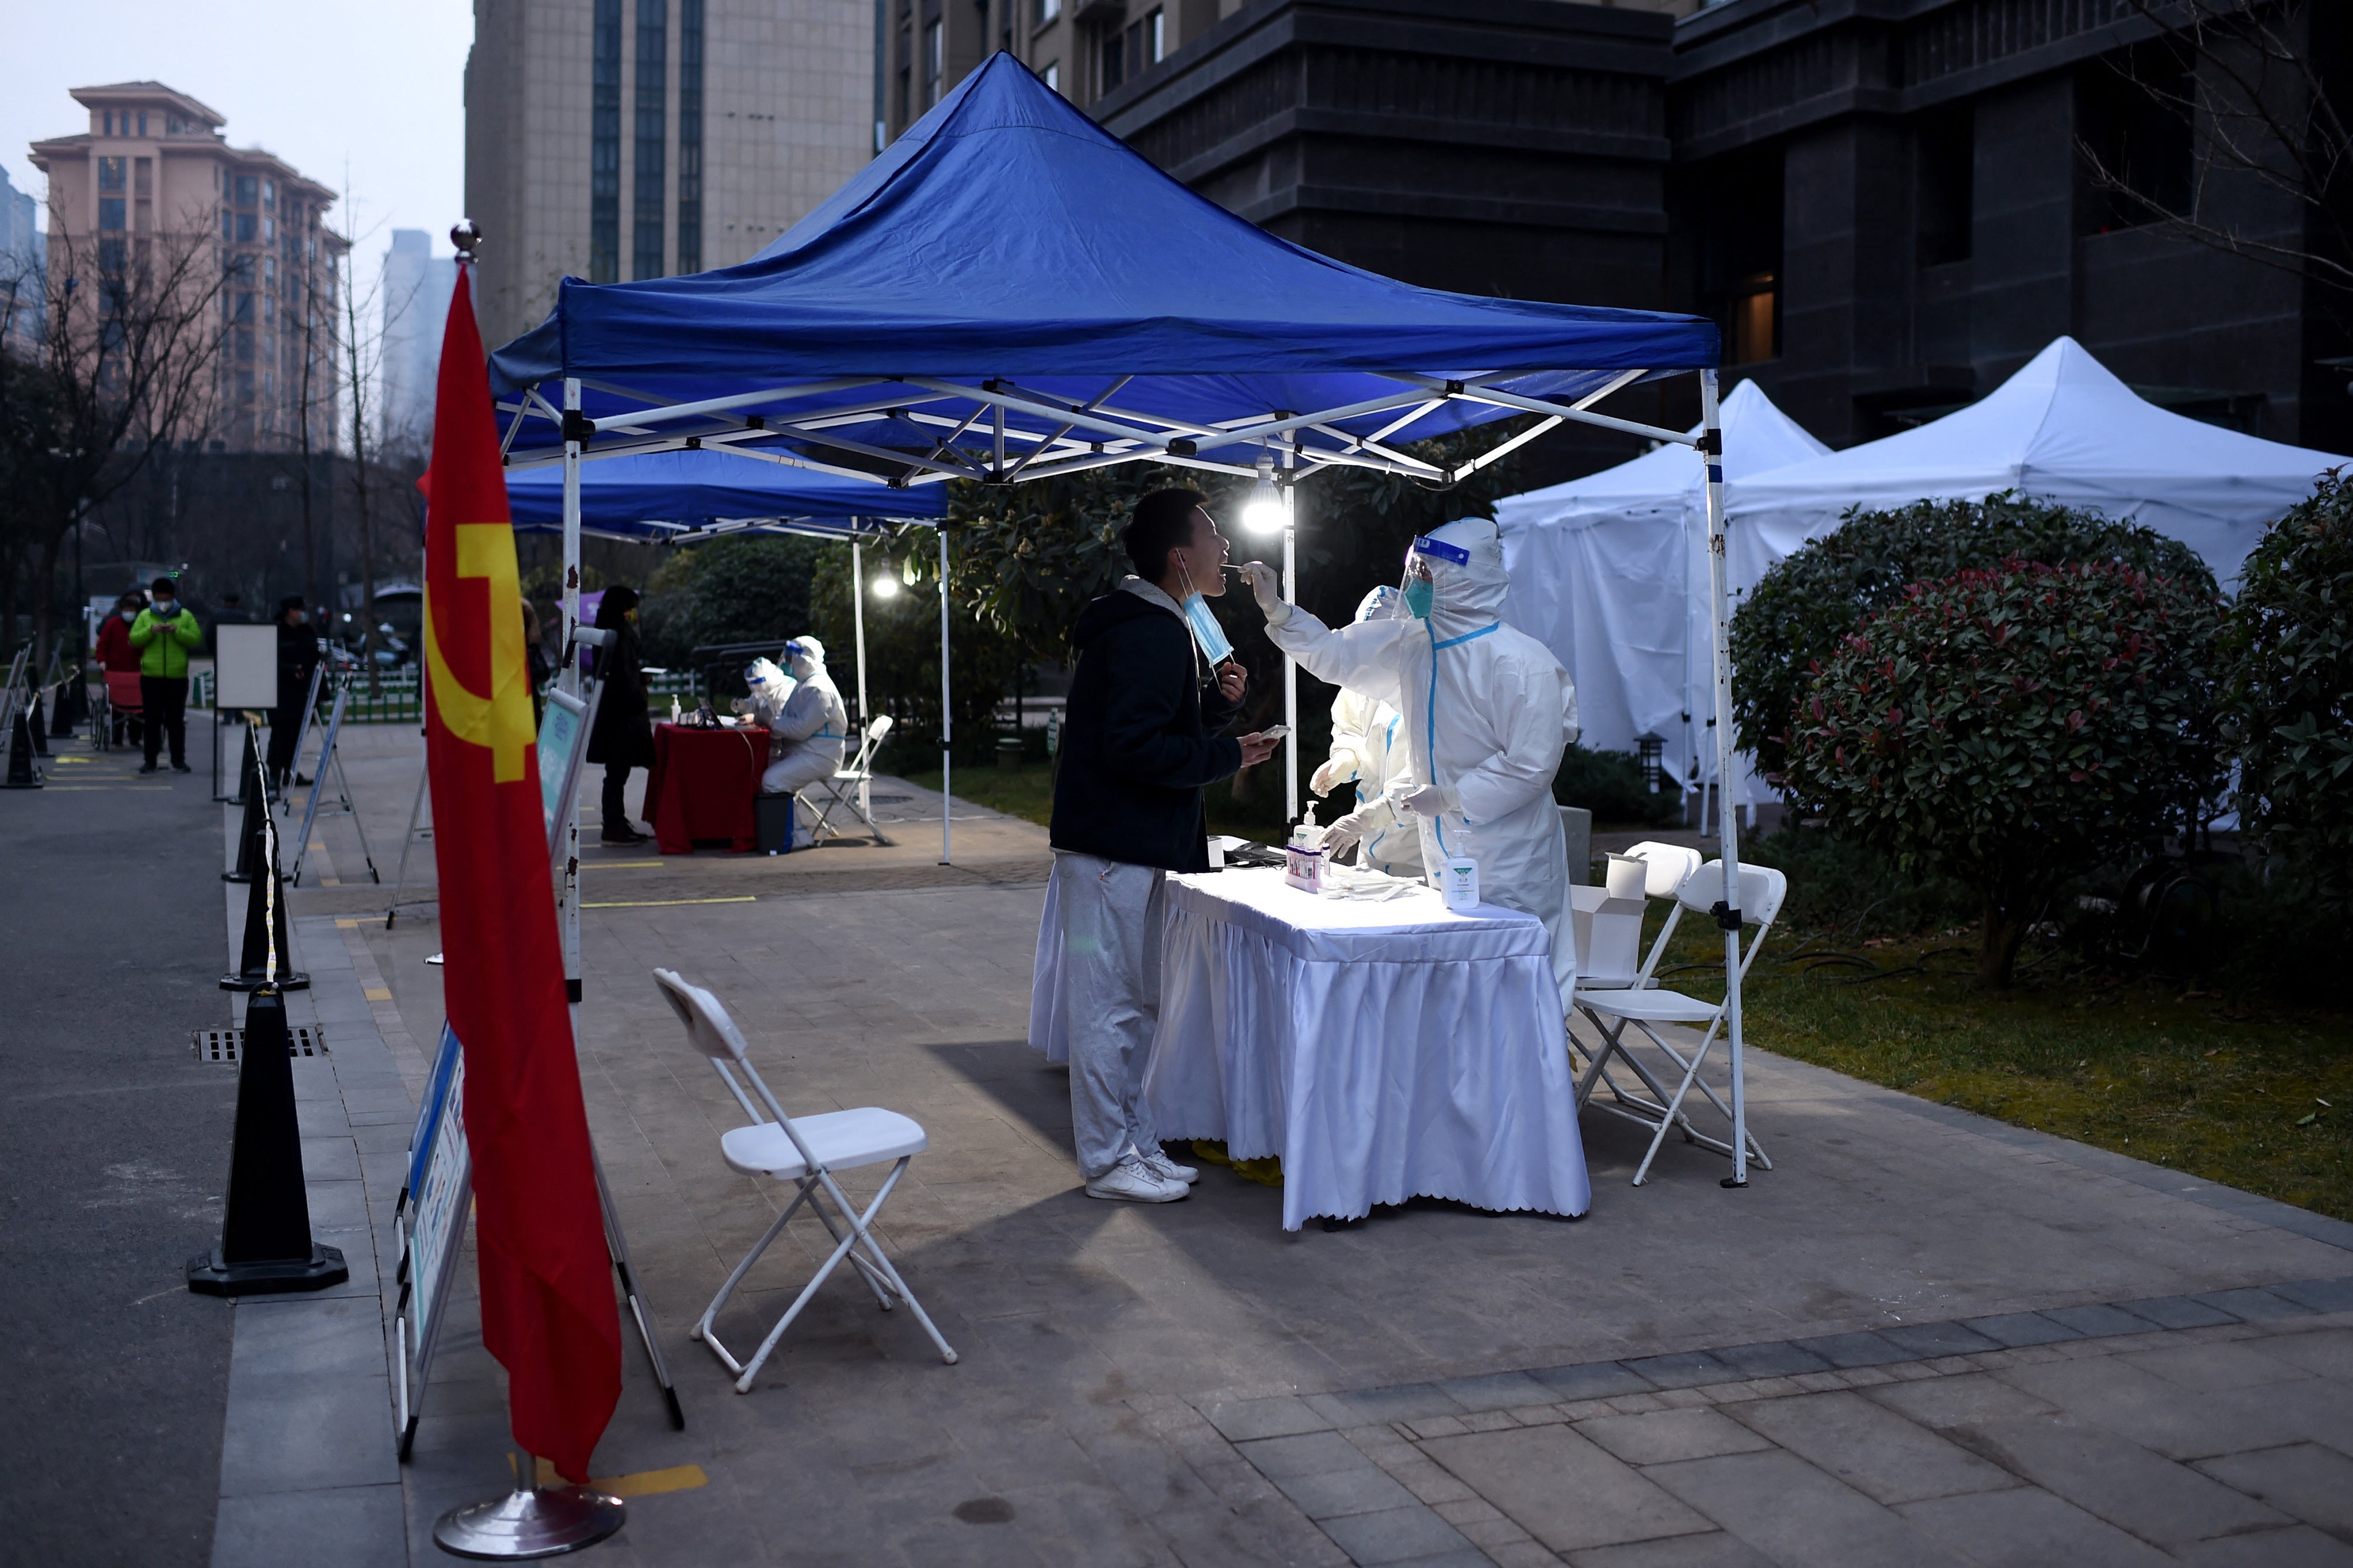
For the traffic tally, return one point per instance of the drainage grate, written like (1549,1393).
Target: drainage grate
(223,1045)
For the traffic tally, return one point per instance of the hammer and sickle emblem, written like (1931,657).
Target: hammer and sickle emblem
(500,721)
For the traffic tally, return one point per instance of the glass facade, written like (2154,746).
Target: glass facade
(652,111)
(689,135)
(605,148)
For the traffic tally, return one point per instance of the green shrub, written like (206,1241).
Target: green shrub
(746,589)
(1609,786)
(1838,884)
(2013,728)
(2286,658)
(1796,618)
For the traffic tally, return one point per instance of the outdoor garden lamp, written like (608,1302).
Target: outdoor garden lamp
(885,586)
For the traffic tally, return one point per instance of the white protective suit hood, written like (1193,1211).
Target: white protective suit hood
(806,656)
(1368,747)
(1467,596)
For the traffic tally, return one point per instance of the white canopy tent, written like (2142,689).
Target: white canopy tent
(2063,429)
(1610,572)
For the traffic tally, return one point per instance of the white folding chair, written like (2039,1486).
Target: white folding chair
(1609,941)
(847,787)
(1643,1006)
(805,1150)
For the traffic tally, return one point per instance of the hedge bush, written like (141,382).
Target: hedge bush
(2286,658)
(1609,786)
(2014,727)
(1796,618)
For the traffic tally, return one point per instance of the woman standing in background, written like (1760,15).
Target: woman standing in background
(624,737)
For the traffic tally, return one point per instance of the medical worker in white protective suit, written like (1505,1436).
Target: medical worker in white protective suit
(809,729)
(1368,747)
(1487,710)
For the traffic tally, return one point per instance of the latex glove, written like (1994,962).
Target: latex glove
(1266,587)
(1422,799)
(1343,835)
(1334,774)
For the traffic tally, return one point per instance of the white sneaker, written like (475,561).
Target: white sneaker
(1130,1182)
(1158,1163)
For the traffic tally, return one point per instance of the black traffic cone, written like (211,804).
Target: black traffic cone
(38,726)
(256,813)
(267,956)
(265,1245)
(75,709)
(61,713)
(22,774)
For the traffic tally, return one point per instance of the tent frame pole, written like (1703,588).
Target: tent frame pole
(1289,664)
(858,619)
(567,893)
(1728,912)
(947,713)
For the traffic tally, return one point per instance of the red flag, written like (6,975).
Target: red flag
(547,1297)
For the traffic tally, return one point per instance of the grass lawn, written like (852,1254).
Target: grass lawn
(2229,1089)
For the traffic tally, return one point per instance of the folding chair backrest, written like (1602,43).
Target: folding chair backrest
(713,1032)
(1762,888)
(1665,866)
(879,729)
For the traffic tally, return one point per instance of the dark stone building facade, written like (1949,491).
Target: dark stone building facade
(1887,203)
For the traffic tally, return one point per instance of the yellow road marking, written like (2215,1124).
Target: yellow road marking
(377,994)
(644,1483)
(621,865)
(661,903)
(316,845)
(331,881)
(342,924)
(75,762)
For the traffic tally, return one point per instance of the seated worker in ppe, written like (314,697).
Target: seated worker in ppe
(769,687)
(811,727)
(1367,747)
(1486,712)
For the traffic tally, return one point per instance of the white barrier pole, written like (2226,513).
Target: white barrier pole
(947,715)
(567,895)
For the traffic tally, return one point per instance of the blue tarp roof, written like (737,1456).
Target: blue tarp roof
(668,495)
(1007,236)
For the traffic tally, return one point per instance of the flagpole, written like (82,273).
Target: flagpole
(567,895)
(947,714)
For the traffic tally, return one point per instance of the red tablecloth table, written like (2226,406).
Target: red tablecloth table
(702,785)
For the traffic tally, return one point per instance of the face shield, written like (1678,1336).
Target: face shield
(1418,590)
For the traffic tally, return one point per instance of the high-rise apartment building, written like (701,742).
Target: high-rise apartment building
(152,185)
(1083,49)
(414,294)
(23,253)
(616,140)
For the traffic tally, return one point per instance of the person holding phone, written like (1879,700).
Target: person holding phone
(1154,687)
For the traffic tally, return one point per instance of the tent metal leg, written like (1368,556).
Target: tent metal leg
(567,898)
(1727,815)
(947,713)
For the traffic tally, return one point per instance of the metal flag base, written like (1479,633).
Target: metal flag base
(529,1521)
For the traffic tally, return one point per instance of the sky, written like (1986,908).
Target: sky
(365,97)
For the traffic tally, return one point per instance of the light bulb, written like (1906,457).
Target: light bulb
(1264,511)
(886,587)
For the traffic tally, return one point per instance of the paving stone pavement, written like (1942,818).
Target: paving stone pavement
(1922,1336)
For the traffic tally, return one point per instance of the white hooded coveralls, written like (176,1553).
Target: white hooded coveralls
(1368,746)
(1487,712)
(809,732)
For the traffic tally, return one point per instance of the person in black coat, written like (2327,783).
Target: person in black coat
(624,736)
(1140,740)
(298,660)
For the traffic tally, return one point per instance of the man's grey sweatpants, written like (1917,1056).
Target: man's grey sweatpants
(1108,915)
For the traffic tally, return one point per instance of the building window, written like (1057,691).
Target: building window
(248,189)
(269,195)
(111,172)
(245,224)
(689,135)
(110,212)
(652,116)
(142,122)
(1052,75)
(1943,191)
(934,62)
(2137,144)
(1740,254)
(1129,51)
(605,147)
(229,228)
(1048,10)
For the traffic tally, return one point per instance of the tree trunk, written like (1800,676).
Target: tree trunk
(44,597)
(2005,929)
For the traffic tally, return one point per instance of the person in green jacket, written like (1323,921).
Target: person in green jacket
(164,633)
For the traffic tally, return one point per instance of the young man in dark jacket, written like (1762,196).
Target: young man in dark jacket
(1140,739)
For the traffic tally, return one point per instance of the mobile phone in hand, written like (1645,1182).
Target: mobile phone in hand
(1274,732)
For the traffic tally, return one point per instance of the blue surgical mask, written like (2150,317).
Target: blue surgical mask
(1206,632)
(1418,595)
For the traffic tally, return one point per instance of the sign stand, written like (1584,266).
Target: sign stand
(343,807)
(407,842)
(303,735)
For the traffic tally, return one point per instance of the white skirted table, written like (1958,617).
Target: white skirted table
(1383,1050)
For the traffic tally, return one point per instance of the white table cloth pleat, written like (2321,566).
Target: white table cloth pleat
(1383,1051)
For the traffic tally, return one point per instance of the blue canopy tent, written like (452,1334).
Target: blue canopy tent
(1010,292)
